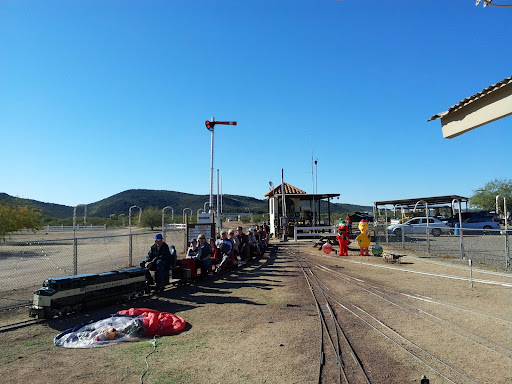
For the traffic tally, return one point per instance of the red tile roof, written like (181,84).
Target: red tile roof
(473,98)
(288,189)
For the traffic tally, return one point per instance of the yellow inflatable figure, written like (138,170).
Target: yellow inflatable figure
(363,239)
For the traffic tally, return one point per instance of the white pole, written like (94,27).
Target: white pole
(284,224)
(211,168)
(316,171)
(218,205)
(221,195)
(313,182)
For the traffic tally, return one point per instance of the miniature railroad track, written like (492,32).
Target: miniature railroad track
(22,304)
(341,360)
(396,299)
(447,369)
(20,324)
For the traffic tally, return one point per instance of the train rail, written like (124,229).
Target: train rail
(341,360)
(331,304)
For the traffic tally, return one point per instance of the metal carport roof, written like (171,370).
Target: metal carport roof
(431,201)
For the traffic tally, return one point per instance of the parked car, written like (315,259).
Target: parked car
(358,216)
(418,225)
(474,217)
(480,223)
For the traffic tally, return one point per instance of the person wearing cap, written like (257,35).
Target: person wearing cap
(158,259)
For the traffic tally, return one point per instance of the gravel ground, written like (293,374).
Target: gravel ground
(259,325)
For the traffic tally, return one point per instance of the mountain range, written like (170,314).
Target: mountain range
(121,203)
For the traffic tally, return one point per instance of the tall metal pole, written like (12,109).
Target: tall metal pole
(211,168)
(507,261)
(75,241)
(164,227)
(221,196)
(130,245)
(316,187)
(461,230)
(284,224)
(427,214)
(313,181)
(218,206)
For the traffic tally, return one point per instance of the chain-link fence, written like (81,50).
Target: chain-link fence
(490,246)
(25,264)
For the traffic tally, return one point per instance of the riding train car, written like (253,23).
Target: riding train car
(60,295)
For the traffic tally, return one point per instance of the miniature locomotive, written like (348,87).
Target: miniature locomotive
(61,295)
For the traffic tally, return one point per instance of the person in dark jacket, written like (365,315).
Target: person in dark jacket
(204,255)
(160,260)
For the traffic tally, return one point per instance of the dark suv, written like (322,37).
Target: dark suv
(473,217)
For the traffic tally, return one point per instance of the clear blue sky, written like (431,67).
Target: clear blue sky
(101,96)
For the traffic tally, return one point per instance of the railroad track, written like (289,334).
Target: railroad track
(19,324)
(394,298)
(337,357)
(8,307)
(433,363)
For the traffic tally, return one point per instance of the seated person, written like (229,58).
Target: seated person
(236,243)
(243,245)
(225,249)
(215,252)
(204,255)
(253,243)
(192,250)
(158,259)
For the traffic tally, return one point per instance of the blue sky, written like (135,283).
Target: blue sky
(100,96)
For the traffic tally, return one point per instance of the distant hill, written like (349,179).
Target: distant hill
(121,203)
(48,209)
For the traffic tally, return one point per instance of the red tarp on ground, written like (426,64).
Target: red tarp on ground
(155,322)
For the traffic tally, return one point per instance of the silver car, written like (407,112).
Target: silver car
(418,225)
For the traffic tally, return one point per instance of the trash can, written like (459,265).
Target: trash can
(456,231)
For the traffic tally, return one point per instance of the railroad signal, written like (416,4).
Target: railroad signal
(209,124)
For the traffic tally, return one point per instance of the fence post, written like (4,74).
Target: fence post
(130,250)
(507,249)
(75,256)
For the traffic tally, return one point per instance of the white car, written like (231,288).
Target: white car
(419,225)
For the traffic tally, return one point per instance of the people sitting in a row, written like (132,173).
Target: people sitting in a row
(232,248)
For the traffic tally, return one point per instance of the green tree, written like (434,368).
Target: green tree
(485,198)
(14,217)
(151,217)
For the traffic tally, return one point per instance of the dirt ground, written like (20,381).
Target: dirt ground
(259,325)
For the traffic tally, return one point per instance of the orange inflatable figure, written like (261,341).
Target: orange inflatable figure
(343,238)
